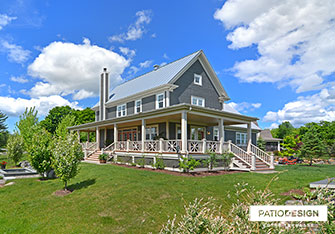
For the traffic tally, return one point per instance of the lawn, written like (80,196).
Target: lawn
(113,199)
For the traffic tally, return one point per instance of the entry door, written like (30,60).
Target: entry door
(197,133)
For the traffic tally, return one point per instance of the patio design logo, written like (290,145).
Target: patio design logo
(288,213)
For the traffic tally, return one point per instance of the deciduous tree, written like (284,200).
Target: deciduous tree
(15,147)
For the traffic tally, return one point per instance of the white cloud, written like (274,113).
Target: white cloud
(245,106)
(294,39)
(15,52)
(145,64)
(127,52)
(313,108)
(68,68)
(19,79)
(5,19)
(165,56)
(82,94)
(135,30)
(15,107)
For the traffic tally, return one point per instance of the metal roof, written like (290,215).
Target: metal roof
(151,79)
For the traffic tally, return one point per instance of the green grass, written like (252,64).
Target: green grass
(112,199)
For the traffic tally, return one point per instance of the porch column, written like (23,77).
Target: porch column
(278,146)
(249,138)
(184,131)
(221,134)
(115,133)
(97,137)
(167,130)
(167,98)
(143,133)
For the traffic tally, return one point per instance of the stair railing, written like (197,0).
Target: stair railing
(262,155)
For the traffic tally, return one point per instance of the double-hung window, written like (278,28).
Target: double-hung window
(198,101)
(160,101)
(121,110)
(198,79)
(138,106)
(241,138)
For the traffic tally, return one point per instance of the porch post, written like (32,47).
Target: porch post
(278,145)
(143,133)
(184,131)
(221,134)
(97,137)
(249,138)
(167,130)
(167,98)
(115,135)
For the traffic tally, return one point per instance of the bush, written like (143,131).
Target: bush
(227,158)
(15,147)
(159,163)
(141,161)
(211,161)
(103,156)
(40,151)
(188,163)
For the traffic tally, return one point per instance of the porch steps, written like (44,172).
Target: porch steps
(94,157)
(262,166)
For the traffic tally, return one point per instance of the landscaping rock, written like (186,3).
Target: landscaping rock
(331,161)
(25,164)
(2,182)
(51,174)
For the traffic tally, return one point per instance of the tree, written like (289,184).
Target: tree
(40,152)
(84,116)
(261,143)
(3,129)
(312,144)
(291,146)
(27,126)
(62,130)
(284,129)
(54,117)
(15,147)
(66,156)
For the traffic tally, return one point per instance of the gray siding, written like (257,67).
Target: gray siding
(148,103)
(111,112)
(172,131)
(130,108)
(102,138)
(187,88)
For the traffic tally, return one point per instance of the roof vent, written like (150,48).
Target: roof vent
(156,66)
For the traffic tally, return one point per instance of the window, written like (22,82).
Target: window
(198,101)
(160,101)
(197,133)
(215,133)
(198,79)
(241,138)
(151,132)
(121,110)
(178,131)
(138,106)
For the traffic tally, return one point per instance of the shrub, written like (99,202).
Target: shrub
(103,156)
(159,163)
(188,163)
(15,147)
(67,155)
(211,161)
(141,161)
(227,158)
(40,151)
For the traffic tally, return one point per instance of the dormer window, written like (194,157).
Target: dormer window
(160,101)
(138,106)
(198,79)
(198,101)
(121,110)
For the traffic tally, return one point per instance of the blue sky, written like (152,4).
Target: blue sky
(275,58)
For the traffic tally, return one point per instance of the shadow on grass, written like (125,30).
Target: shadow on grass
(81,185)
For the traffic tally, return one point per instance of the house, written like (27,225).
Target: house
(271,144)
(175,110)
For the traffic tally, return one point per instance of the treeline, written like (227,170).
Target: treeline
(313,140)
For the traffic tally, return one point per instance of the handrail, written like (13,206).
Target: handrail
(110,147)
(262,155)
(241,154)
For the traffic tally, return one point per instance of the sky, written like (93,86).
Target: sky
(275,58)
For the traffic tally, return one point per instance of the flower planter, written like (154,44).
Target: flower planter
(3,166)
(102,161)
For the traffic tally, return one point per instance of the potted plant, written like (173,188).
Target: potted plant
(3,165)
(103,158)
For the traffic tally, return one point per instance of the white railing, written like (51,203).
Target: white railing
(151,146)
(213,146)
(261,154)
(171,146)
(135,145)
(92,147)
(195,146)
(121,145)
(240,153)
(111,147)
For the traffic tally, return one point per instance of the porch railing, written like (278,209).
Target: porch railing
(240,153)
(121,145)
(171,146)
(91,147)
(261,154)
(111,147)
(135,145)
(152,146)
(195,146)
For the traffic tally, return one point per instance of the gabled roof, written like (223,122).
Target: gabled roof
(164,75)
(266,135)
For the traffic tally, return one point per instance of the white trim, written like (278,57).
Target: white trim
(163,101)
(200,79)
(241,133)
(216,128)
(151,126)
(197,101)
(135,106)
(125,110)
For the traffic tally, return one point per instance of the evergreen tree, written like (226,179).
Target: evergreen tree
(261,143)
(313,146)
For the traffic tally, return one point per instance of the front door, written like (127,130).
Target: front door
(197,133)
(128,134)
